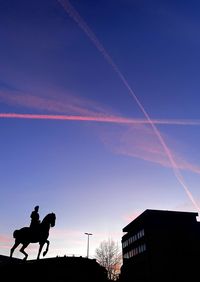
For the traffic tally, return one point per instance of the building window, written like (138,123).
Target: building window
(134,252)
(133,238)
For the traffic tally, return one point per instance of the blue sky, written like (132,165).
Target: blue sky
(73,138)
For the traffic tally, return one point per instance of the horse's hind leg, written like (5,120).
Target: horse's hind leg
(22,250)
(14,247)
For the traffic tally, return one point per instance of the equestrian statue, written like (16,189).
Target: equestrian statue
(38,232)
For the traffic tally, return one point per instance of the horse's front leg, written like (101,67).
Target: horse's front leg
(40,249)
(47,248)
(41,246)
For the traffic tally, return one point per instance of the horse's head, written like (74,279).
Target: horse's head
(50,219)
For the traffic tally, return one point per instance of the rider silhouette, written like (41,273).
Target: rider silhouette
(35,218)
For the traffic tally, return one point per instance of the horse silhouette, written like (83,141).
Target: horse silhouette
(27,235)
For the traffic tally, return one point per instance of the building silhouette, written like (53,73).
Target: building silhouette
(162,246)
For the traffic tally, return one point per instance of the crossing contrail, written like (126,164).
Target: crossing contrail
(86,29)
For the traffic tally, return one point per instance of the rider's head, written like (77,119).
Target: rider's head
(36,208)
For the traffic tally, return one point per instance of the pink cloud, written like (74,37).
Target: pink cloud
(139,141)
(66,104)
(130,217)
(5,239)
(5,242)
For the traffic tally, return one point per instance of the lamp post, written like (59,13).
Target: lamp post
(88,234)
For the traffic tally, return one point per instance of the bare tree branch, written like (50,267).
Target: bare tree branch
(109,256)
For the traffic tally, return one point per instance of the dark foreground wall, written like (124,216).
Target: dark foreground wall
(59,269)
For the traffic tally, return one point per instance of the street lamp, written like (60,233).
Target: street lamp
(88,234)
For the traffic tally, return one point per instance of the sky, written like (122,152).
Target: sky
(99,116)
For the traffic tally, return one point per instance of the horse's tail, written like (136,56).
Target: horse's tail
(15,233)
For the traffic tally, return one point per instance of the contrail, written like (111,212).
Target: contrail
(102,119)
(83,25)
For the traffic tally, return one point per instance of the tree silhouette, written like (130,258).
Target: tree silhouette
(109,256)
